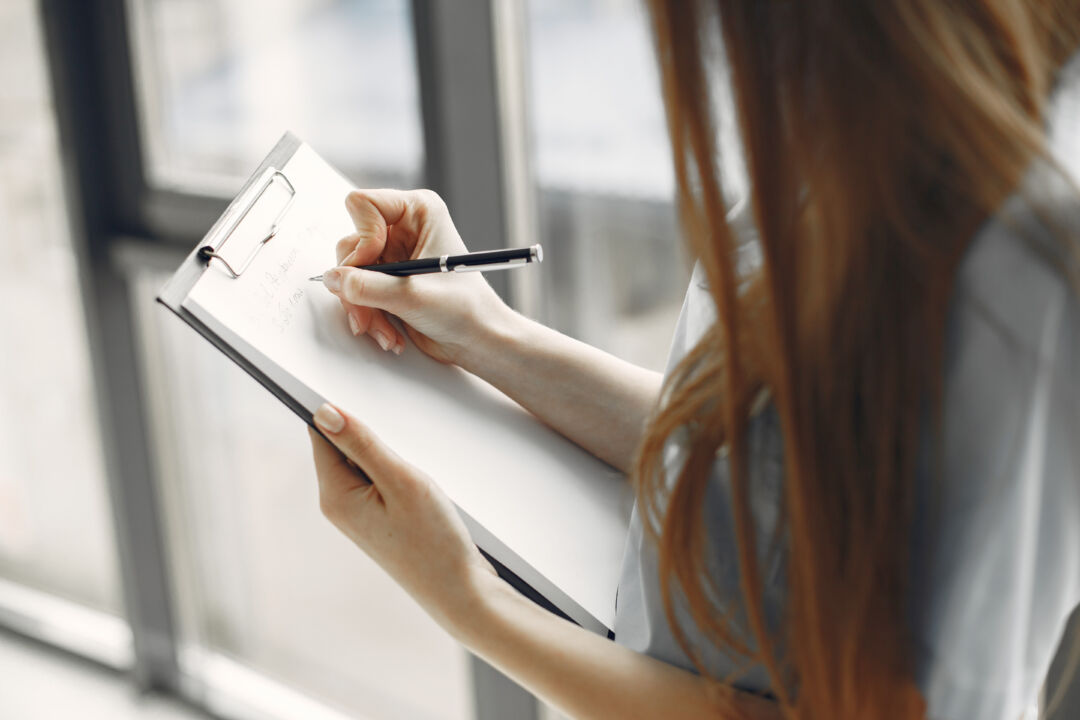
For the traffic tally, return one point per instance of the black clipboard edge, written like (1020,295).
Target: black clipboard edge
(259,376)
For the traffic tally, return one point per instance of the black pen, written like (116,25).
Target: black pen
(469,262)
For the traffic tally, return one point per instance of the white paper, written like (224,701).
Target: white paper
(551,512)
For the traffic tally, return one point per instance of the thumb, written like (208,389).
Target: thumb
(368,288)
(364,448)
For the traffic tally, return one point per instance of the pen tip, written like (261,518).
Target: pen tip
(317,278)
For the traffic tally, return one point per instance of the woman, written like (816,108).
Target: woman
(857,489)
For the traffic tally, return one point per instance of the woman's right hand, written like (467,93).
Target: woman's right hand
(443,314)
(598,401)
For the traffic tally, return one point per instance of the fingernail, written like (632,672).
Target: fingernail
(354,326)
(332,280)
(380,337)
(398,348)
(329,419)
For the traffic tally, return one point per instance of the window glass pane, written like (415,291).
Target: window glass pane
(604,178)
(262,577)
(221,80)
(55,523)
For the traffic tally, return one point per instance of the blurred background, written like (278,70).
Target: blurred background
(161,551)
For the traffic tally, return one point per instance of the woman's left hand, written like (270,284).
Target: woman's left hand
(399,517)
(407,525)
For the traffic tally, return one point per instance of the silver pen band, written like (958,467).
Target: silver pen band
(442,263)
(491,266)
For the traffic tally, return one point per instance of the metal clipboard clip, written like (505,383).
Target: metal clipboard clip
(213,252)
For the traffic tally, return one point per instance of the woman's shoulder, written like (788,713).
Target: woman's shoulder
(1002,571)
(1023,266)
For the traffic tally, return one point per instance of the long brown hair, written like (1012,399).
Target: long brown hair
(878,136)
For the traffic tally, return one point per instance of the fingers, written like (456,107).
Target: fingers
(377,213)
(384,334)
(336,477)
(369,288)
(372,213)
(374,323)
(356,249)
(356,442)
(377,207)
(370,236)
(391,225)
(407,216)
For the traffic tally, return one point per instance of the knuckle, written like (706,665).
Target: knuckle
(412,486)
(330,509)
(410,295)
(363,444)
(354,286)
(431,199)
(356,198)
(344,246)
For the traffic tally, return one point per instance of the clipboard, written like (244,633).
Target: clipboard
(233,246)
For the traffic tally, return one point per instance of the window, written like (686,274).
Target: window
(604,178)
(262,581)
(55,522)
(221,80)
(603,173)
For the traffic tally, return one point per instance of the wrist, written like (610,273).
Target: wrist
(488,594)
(498,327)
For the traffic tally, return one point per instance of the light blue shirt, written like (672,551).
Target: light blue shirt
(1002,552)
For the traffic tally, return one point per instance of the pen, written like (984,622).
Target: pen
(469,262)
